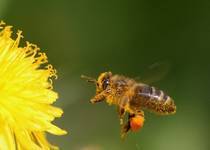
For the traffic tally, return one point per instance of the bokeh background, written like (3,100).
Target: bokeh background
(125,37)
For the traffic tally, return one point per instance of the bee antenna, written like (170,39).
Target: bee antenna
(88,79)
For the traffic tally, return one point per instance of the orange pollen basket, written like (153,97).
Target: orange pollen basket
(136,123)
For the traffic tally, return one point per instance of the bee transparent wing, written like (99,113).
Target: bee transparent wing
(155,72)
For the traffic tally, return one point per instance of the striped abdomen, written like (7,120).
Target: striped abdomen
(152,99)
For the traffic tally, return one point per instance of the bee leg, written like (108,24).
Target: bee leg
(124,130)
(98,98)
(140,113)
(121,112)
(126,127)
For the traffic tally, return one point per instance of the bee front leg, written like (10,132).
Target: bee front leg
(98,98)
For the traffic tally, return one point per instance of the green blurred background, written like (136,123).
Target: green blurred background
(92,36)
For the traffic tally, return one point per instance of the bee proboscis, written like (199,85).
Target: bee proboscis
(130,97)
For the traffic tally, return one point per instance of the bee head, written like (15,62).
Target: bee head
(103,81)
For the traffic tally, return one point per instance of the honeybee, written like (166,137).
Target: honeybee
(130,97)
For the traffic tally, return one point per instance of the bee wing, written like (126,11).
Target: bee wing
(155,72)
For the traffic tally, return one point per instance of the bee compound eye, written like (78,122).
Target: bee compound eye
(105,83)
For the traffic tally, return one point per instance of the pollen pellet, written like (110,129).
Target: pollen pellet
(136,123)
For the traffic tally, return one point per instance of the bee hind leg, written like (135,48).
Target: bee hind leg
(125,128)
(134,123)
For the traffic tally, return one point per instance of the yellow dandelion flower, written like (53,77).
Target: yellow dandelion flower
(26,95)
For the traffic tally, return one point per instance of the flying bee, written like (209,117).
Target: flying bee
(130,97)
